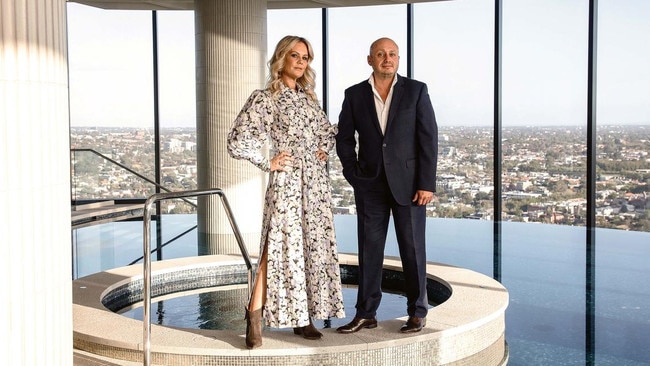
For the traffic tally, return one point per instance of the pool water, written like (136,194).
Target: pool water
(223,309)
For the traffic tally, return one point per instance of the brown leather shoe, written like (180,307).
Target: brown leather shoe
(413,324)
(308,332)
(357,324)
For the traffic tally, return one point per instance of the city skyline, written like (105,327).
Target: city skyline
(544,60)
(543,172)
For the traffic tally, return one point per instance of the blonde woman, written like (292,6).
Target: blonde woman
(298,275)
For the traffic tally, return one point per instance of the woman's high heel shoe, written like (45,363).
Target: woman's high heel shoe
(253,328)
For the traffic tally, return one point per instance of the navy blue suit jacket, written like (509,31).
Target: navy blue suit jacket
(407,152)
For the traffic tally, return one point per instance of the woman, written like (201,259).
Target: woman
(298,272)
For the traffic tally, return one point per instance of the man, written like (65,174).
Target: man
(394,171)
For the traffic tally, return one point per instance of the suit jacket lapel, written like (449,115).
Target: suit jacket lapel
(369,101)
(398,92)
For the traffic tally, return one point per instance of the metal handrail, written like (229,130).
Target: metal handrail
(130,171)
(146,220)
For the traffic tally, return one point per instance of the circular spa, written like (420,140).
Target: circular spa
(220,308)
(466,326)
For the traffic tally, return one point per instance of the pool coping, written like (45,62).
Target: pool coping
(470,325)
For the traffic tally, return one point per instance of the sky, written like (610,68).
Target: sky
(544,60)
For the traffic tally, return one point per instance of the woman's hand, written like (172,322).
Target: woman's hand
(280,161)
(321,155)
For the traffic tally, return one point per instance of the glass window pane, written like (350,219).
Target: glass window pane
(454,47)
(177,105)
(623,178)
(177,118)
(111,102)
(545,53)
(623,116)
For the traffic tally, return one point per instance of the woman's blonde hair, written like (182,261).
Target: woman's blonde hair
(276,65)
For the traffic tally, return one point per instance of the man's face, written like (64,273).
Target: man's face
(384,58)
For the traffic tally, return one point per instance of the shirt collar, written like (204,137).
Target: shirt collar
(371,80)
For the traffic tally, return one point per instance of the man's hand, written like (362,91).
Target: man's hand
(422,197)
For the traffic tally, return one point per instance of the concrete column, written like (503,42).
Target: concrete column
(230,64)
(35,259)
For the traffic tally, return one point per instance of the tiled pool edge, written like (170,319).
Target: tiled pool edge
(467,327)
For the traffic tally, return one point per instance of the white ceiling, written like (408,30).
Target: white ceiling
(271,4)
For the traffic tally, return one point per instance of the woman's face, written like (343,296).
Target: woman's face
(295,62)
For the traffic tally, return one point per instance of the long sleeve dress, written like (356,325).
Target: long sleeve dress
(303,277)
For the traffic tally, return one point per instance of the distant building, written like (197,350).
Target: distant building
(449,151)
(190,146)
(173,146)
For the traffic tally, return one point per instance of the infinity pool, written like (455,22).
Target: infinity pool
(551,319)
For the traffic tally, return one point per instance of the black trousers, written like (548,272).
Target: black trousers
(374,206)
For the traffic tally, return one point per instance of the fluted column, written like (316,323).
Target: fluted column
(35,257)
(230,64)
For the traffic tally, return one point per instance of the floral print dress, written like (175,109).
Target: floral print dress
(303,277)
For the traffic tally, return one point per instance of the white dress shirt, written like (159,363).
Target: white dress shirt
(380,106)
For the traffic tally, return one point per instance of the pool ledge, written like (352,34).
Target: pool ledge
(466,329)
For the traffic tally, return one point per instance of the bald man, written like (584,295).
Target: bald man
(392,168)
